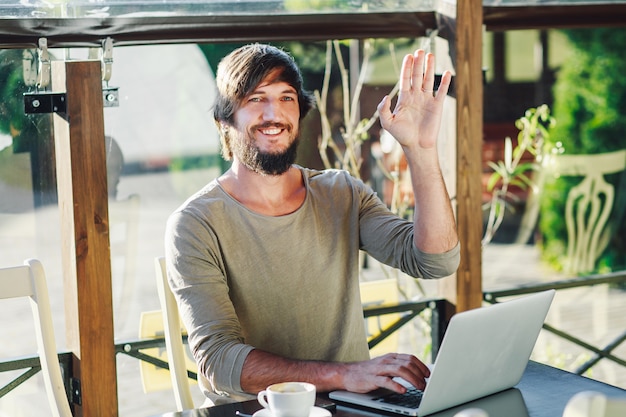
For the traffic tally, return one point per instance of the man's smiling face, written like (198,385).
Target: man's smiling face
(266,128)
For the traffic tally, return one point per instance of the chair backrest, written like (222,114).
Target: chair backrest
(173,339)
(29,280)
(589,204)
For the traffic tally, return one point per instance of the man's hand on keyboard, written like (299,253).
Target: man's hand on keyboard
(379,373)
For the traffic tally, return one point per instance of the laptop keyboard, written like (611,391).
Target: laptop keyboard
(411,398)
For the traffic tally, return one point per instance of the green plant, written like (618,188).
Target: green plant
(513,171)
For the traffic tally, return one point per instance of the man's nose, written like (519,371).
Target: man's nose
(271,111)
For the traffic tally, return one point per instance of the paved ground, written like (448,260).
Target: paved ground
(596,315)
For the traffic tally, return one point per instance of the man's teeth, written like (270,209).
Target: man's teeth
(274,131)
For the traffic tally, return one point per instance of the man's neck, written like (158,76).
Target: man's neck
(272,195)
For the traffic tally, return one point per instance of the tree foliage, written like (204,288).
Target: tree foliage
(589,105)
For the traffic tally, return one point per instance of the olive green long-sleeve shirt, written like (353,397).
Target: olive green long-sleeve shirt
(289,284)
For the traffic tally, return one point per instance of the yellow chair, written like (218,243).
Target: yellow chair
(29,280)
(374,294)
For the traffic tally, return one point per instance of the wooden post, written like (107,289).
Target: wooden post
(83,203)
(469,94)
(461,25)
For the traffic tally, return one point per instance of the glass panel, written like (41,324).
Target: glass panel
(29,227)
(162,142)
(519,254)
(161,146)
(153,8)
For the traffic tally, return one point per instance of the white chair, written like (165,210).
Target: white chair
(29,280)
(173,339)
(589,204)
(594,404)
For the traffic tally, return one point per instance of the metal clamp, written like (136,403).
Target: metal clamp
(110,95)
(41,102)
(29,67)
(44,64)
(107,59)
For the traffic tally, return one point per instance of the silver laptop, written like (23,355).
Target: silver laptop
(483,351)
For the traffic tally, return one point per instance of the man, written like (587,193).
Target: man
(263,260)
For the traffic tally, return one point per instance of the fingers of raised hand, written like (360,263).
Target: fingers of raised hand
(428,79)
(444,85)
(412,72)
(418,72)
(406,74)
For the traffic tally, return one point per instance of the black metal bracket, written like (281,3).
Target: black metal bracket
(45,102)
(76,391)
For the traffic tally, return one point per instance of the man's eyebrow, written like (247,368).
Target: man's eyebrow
(288,90)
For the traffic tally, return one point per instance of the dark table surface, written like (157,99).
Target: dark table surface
(543,392)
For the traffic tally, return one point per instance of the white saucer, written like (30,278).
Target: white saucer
(315,412)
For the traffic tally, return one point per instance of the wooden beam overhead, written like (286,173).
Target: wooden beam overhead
(23,32)
(89,32)
(537,16)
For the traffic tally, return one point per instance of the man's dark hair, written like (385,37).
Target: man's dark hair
(241,71)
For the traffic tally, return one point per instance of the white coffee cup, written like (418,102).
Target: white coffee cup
(288,399)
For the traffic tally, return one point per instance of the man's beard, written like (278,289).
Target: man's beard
(266,163)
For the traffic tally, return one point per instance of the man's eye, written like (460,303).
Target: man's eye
(288,98)
(254,99)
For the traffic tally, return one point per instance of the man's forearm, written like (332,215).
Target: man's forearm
(435,225)
(262,369)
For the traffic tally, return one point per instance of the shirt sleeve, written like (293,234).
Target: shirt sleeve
(197,278)
(389,239)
